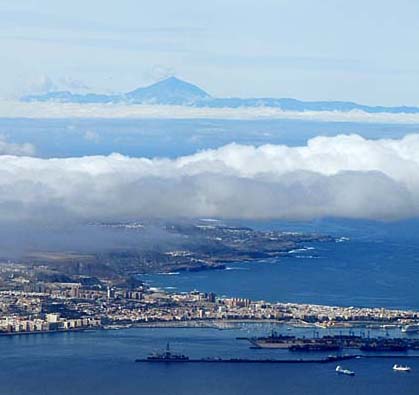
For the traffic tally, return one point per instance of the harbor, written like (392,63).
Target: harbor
(335,342)
(110,356)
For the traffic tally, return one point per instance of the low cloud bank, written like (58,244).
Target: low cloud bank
(8,148)
(17,109)
(342,176)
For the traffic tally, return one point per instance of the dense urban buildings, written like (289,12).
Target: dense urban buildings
(44,307)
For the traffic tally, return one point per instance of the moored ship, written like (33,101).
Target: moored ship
(167,356)
(314,347)
(383,346)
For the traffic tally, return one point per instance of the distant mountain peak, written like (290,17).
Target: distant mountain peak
(172,80)
(174,91)
(171,90)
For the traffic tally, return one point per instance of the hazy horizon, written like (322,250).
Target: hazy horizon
(333,50)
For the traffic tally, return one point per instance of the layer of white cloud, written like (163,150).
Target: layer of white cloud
(17,109)
(343,176)
(8,148)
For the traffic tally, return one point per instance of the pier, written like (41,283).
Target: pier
(328,359)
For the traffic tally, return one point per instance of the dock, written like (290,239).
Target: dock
(329,359)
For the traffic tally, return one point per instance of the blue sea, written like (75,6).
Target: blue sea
(172,138)
(102,362)
(374,264)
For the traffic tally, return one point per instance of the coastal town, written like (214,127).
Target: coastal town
(52,307)
(63,291)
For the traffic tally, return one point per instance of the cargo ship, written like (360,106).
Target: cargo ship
(384,346)
(314,347)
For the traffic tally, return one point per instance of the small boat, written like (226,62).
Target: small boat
(413,328)
(341,370)
(401,368)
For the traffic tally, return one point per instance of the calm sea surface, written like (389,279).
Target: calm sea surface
(172,138)
(378,266)
(102,362)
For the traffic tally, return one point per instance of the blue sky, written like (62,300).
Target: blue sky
(364,51)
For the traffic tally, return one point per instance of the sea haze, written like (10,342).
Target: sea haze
(176,137)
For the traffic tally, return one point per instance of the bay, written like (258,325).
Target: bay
(376,264)
(102,362)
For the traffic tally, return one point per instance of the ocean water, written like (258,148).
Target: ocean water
(102,362)
(376,266)
(171,138)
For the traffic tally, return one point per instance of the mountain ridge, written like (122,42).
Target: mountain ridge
(174,91)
